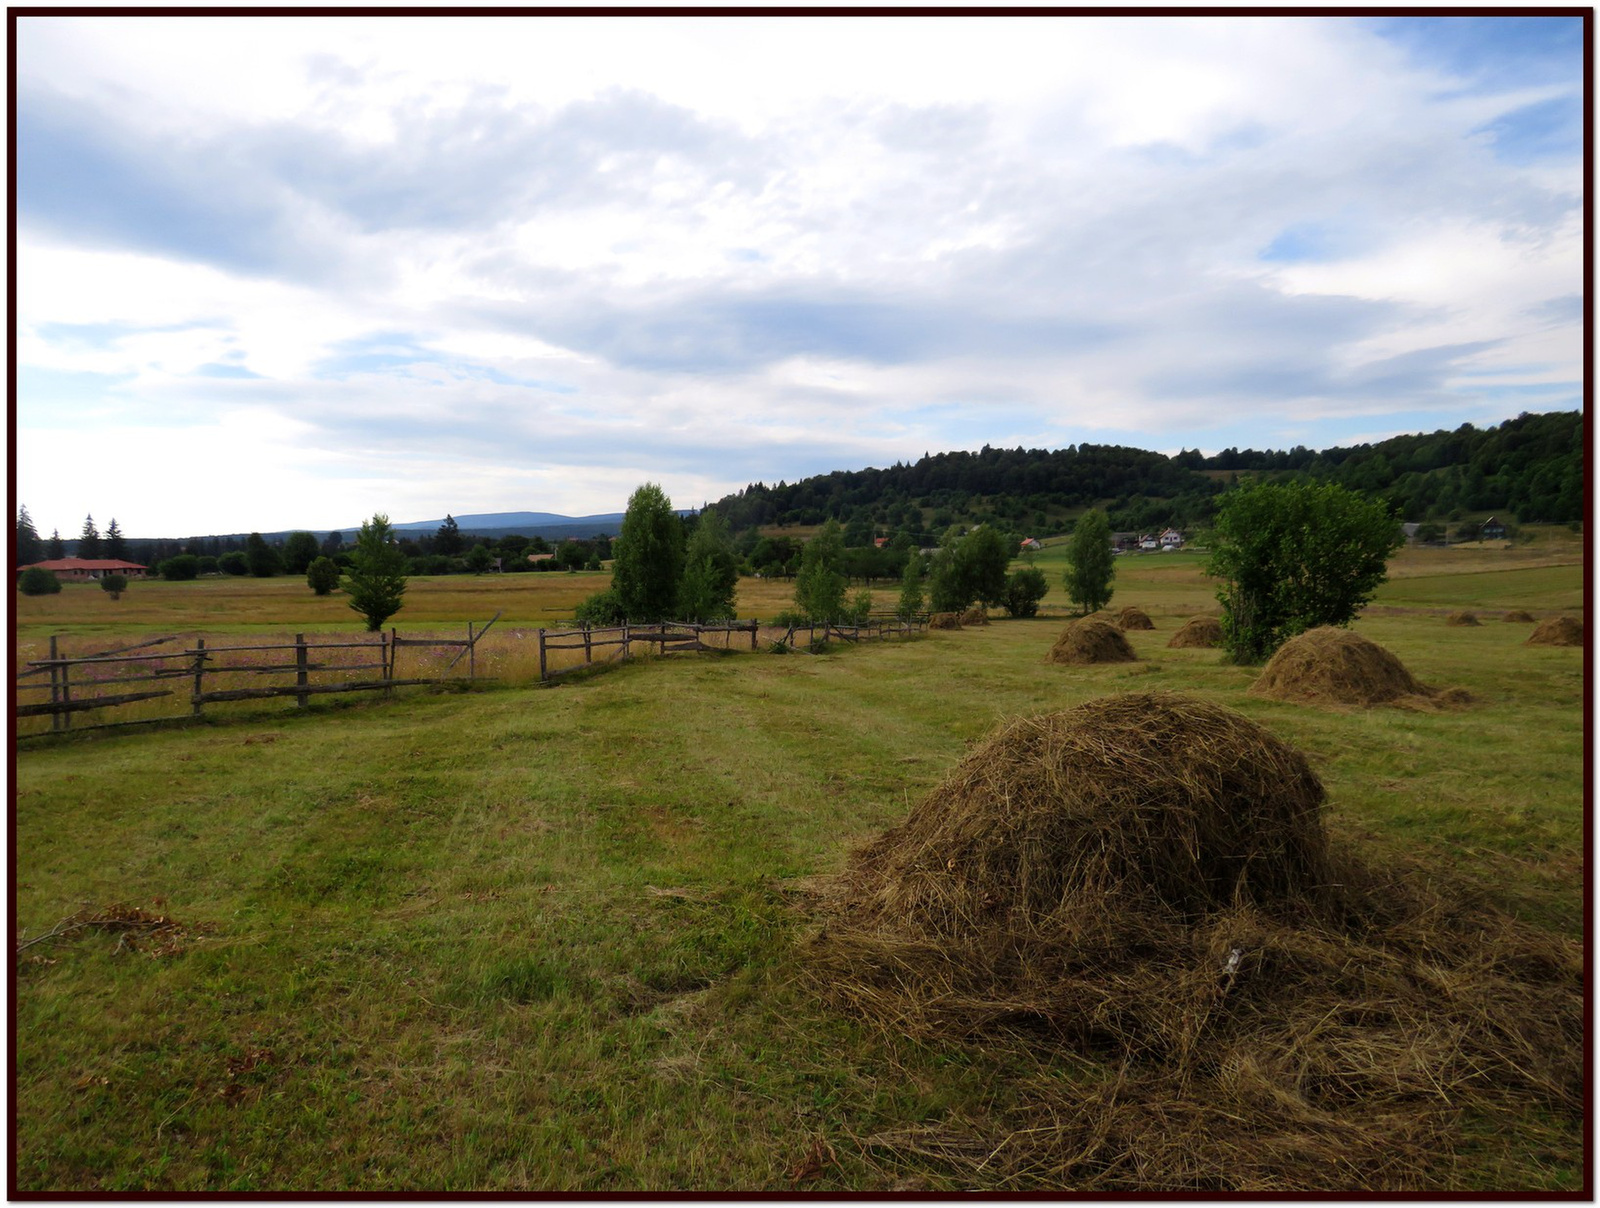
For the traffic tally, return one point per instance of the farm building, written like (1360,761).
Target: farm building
(81,570)
(1031,543)
(1493,530)
(1171,537)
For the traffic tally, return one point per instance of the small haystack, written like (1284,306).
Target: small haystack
(1517,614)
(1557,631)
(1462,618)
(1091,641)
(975,616)
(1198,632)
(1140,894)
(1133,618)
(1330,666)
(945,620)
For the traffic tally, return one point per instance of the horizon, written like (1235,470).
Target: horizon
(334,266)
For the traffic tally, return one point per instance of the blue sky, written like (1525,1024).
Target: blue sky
(429,265)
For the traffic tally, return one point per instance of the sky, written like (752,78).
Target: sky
(292,271)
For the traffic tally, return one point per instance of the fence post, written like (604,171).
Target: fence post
(588,649)
(542,673)
(624,641)
(55,686)
(199,676)
(754,624)
(390,651)
(301,698)
(472,655)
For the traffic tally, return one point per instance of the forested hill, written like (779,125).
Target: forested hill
(1530,468)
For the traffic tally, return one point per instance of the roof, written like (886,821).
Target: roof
(85,564)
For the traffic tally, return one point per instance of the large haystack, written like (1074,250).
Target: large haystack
(1518,615)
(975,616)
(1462,618)
(1141,893)
(1336,667)
(1557,631)
(1198,632)
(1133,618)
(1091,641)
(945,620)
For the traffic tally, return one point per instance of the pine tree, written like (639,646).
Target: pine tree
(28,543)
(115,546)
(89,539)
(377,579)
(55,547)
(447,540)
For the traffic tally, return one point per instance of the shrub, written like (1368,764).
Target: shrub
(234,563)
(322,576)
(180,568)
(36,581)
(602,608)
(1024,589)
(114,585)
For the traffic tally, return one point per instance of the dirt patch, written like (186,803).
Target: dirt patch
(1133,618)
(1462,618)
(1331,666)
(1142,893)
(1091,641)
(1557,631)
(1198,632)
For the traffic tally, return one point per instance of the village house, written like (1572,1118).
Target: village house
(1172,537)
(83,570)
(1493,530)
(1031,543)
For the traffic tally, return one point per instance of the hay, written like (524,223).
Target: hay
(1133,618)
(945,620)
(1462,618)
(1517,614)
(1090,641)
(1198,632)
(1330,666)
(975,616)
(1557,631)
(1140,897)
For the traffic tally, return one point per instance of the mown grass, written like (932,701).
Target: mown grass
(545,940)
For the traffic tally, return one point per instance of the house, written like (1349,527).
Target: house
(538,558)
(1124,540)
(879,542)
(1492,530)
(1170,538)
(1031,543)
(83,570)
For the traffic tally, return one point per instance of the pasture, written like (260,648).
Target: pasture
(526,940)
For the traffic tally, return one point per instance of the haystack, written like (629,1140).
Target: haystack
(1517,614)
(1557,631)
(1091,641)
(1198,631)
(1337,667)
(945,620)
(1142,892)
(975,616)
(1133,618)
(1462,618)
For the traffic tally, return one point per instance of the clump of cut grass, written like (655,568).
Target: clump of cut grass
(1089,641)
(1462,618)
(1134,618)
(1557,631)
(1198,632)
(975,616)
(945,620)
(1519,615)
(1143,890)
(1332,666)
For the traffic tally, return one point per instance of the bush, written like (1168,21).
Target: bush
(602,608)
(114,585)
(322,576)
(180,568)
(1024,589)
(36,581)
(261,558)
(234,563)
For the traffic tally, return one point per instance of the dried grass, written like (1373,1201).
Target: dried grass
(1557,631)
(1141,894)
(1331,666)
(1462,618)
(975,616)
(1090,640)
(1134,618)
(1198,632)
(945,620)
(1517,614)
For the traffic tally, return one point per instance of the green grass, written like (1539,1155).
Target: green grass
(545,940)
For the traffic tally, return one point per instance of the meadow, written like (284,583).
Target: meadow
(521,939)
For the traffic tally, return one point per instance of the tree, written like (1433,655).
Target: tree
(970,568)
(332,544)
(377,573)
(479,559)
(55,547)
(649,556)
(28,544)
(89,539)
(1293,556)
(710,572)
(447,540)
(262,559)
(819,587)
(1090,565)
(299,549)
(114,585)
(179,567)
(322,576)
(115,545)
(1024,589)
(36,581)
(234,563)
(910,601)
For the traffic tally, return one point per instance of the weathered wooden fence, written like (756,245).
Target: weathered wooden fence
(76,683)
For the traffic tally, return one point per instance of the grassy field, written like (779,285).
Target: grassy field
(547,940)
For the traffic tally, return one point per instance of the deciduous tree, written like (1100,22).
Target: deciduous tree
(299,549)
(649,557)
(710,572)
(1090,564)
(322,576)
(819,587)
(262,559)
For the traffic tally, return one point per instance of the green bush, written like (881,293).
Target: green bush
(1025,587)
(234,563)
(602,608)
(322,576)
(179,568)
(114,585)
(36,581)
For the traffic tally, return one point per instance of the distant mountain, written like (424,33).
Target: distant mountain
(522,522)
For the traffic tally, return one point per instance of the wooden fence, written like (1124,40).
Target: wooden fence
(76,683)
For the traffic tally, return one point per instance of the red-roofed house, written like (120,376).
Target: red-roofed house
(80,570)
